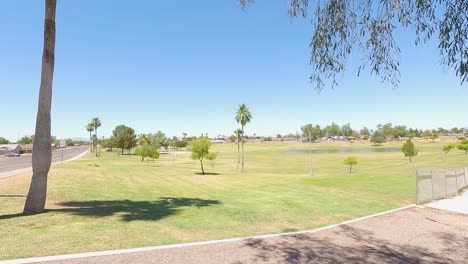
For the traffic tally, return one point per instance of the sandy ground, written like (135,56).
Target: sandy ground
(414,235)
(457,204)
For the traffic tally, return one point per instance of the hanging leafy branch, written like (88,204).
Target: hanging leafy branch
(341,27)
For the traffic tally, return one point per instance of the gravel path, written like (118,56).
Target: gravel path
(414,235)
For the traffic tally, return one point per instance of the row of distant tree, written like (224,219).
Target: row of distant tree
(382,133)
(30,139)
(125,138)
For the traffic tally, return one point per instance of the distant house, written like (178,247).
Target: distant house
(26,148)
(10,148)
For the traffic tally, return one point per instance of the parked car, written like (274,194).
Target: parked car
(12,154)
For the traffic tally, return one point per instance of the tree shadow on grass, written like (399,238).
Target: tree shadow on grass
(127,210)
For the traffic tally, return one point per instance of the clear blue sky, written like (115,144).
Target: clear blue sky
(185,66)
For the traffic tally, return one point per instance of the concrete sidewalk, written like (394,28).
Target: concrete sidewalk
(411,235)
(457,204)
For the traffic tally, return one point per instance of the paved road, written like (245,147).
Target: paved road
(24,161)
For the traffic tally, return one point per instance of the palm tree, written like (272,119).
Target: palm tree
(96,123)
(42,150)
(243,116)
(238,134)
(90,129)
(143,140)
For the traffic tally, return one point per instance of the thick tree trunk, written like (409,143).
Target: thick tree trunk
(410,159)
(201,164)
(42,150)
(350,168)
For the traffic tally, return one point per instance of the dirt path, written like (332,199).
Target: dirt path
(415,235)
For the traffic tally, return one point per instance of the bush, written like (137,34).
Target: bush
(378,137)
(147,152)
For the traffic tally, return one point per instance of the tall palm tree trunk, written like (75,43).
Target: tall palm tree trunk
(42,150)
(238,153)
(95,142)
(242,138)
(91,141)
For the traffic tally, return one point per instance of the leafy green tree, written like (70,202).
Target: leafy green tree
(463,145)
(340,28)
(69,143)
(364,132)
(434,136)
(108,143)
(333,130)
(447,148)
(409,150)
(455,130)
(387,129)
(200,149)
(243,116)
(427,133)
(146,151)
(124,137)
(399,132)
(356,135)
(346,130)
(158,139)
(378,137)
(4,140)
(233,138)
(181,143)
(312,132)
(351,161)
(26,140)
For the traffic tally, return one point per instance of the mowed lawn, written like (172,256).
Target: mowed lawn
(111,202)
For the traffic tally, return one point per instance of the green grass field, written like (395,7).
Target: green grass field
(109,203)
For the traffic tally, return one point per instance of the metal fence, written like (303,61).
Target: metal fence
(437,184)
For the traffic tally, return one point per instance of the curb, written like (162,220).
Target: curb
(191,244)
